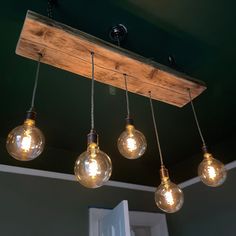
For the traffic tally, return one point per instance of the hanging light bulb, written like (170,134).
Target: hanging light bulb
(26,142)
(168,196)
(93,167)
(211,171)
(131,143)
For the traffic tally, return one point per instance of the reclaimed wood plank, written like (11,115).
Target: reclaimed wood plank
(69,49)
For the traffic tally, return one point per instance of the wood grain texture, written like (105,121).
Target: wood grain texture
(69,49)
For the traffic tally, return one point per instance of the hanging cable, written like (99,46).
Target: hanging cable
(50,9)
(118,40)
(51,5)
(196,119)
(127,96)
(35,83)
(92,93)
(155,128)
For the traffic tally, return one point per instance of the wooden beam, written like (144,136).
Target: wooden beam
(69,49)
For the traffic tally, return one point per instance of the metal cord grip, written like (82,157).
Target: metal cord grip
(31,114)
(129,121)
(204,149)
(164,174)
(92,137)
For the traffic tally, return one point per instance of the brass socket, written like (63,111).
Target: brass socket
(164,174)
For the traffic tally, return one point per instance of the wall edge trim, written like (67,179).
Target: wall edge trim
(110,183)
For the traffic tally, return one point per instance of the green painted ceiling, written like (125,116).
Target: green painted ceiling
(199,34)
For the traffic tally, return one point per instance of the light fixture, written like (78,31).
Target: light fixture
(93,167)
(131,143)
(211,171)
(26,142)
(168,196)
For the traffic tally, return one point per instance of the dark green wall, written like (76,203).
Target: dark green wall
(41,207)
(206,211)
(38,206)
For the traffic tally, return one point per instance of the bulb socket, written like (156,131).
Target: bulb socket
(92,137)
(129,121)
(31,115)
(206,154)
(164,174)
(204,149)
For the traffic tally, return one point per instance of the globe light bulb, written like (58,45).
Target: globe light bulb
(93,167)
(131,143)
(211,171)
(25,142)
(168,196)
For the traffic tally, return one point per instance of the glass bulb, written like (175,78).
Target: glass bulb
(131,143)
(25,142)
(93,167)
(211,171)
(168,196)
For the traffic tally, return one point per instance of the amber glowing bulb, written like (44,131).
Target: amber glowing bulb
(93,167)
(25,142)
(211,171)
(131,143)
(168,196)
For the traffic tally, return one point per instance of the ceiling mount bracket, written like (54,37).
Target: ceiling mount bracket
(118,33)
